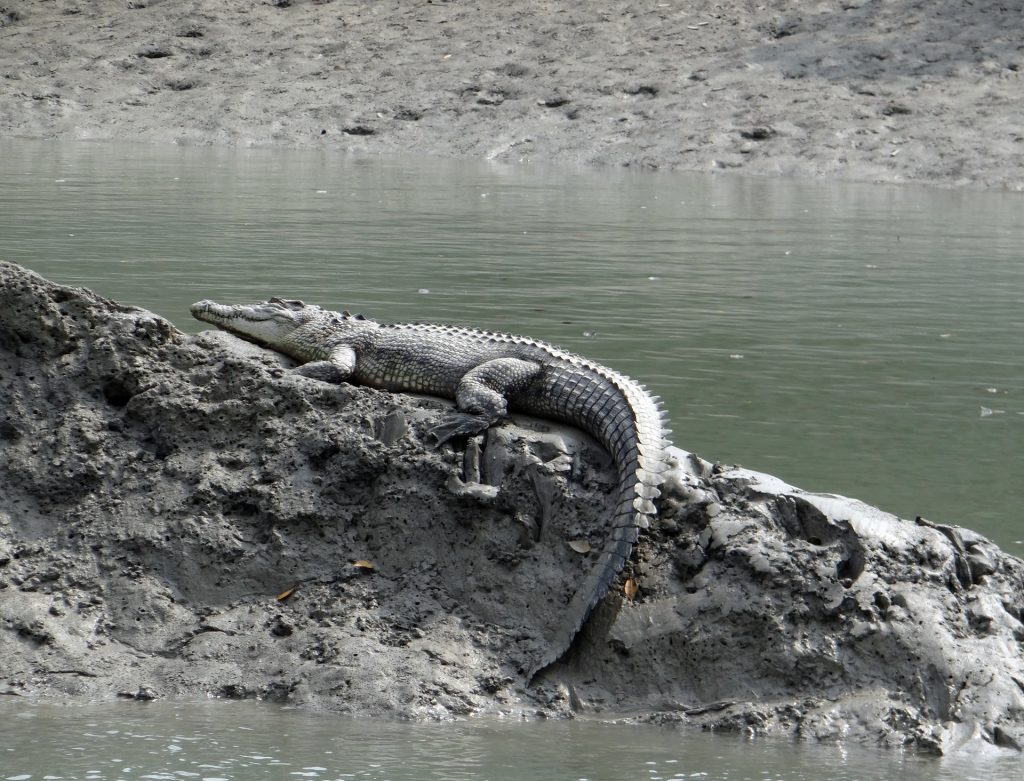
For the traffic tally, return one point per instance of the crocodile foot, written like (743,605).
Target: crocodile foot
(460,424)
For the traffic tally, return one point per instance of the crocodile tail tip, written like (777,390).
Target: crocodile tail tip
(552,655)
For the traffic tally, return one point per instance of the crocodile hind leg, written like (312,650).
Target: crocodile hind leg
(482,396)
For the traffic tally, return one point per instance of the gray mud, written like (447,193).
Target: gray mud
(181,517)
(886,90)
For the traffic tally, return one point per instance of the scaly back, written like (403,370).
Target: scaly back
(619,412)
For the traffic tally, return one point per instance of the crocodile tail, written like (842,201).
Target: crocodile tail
(616,552)
(639,453)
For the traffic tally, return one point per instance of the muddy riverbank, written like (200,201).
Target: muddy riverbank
(894,91)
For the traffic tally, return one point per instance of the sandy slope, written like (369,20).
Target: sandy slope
(890,90)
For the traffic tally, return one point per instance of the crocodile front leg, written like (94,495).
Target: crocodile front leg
(337,368)
(482,396)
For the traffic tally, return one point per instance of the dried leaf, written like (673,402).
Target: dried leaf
(285,594)
(364,564)
(580,546)
(630,588)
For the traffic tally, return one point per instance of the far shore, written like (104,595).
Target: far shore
(857,90)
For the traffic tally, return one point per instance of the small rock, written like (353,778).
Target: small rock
(282,628)
(895,109)
(490,98)
(758,133)
(643,90)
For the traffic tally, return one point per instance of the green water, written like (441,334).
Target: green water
(247,741)
(856,339)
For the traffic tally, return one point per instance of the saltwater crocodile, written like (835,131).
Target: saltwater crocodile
(487,374)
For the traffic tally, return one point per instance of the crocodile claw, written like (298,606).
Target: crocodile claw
(459,424)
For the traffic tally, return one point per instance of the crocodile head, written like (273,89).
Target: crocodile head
(266,322)
(289,326)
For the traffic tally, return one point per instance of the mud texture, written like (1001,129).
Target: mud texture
(180,517)
(877,90)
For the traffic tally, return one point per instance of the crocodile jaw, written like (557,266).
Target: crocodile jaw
(268,323)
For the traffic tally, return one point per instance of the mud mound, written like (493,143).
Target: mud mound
(181,517)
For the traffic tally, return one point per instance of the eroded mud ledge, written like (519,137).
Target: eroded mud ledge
(160,491)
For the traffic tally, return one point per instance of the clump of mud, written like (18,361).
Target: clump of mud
(180,516)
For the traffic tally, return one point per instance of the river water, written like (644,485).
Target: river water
(247,741)
(858,339)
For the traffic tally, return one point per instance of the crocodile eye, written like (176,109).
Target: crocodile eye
(288,303)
